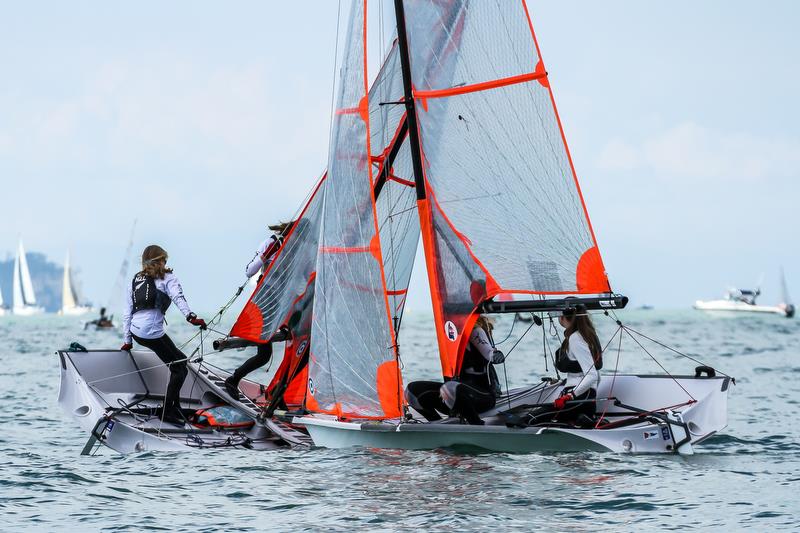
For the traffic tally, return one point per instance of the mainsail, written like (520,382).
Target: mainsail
(458,140)
(503,211)
(22,285)
(69,299)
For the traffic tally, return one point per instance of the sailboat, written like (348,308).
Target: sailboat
(24,299)
(499,211)
(744,301)
(3,308)
(456,144)
(69,297)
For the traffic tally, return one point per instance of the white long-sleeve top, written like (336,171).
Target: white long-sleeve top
(262,256)
(588,379)
(149,323)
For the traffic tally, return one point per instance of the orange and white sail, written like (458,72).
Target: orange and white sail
(503,211)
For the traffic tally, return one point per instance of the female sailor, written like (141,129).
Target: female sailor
(263,257)
(148,297)
(580,357)
(476,388)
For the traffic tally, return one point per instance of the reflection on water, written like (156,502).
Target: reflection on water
(743,478)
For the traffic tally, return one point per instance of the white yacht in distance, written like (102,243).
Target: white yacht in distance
(24,299)
(69,297)
(743,300)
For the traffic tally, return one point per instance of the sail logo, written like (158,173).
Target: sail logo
(302,347)
(311,386)
(450,330)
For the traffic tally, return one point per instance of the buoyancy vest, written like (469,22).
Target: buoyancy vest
(476,371)
(146,295)
(565,364)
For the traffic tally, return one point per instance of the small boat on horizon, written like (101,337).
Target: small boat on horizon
(744,301)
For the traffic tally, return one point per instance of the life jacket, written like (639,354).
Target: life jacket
(145,295)
(565,364)
(476,371)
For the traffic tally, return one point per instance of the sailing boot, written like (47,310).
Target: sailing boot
(232,386)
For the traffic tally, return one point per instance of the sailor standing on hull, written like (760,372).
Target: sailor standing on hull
(264,255)
(148,297)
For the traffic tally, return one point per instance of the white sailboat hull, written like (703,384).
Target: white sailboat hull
(739,307)
(95,384)
(678,429)
(28,310)
(78,310)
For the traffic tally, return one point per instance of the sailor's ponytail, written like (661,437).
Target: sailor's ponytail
(154,262)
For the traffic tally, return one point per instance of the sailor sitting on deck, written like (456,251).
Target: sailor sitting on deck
(581,357)
(476,388)
(149,296)
(264,255)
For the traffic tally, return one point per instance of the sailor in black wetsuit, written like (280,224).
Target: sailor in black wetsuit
(149,296)
(476,388)
(264,255)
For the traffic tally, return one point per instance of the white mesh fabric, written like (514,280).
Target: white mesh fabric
(398,222)
(351,331)
(289,276)
(495,159)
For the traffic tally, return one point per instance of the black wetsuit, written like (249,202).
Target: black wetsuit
(473,391)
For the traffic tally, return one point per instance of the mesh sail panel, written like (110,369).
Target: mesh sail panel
(288,280)
(398,222)
(398,225)
(352,368)
(495,155)
(504,212)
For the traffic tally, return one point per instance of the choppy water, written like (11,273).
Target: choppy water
(747,477)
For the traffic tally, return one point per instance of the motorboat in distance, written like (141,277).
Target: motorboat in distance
(744,301)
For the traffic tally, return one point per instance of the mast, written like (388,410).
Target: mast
(408,92)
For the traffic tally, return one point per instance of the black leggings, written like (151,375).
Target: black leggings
(261,358)
(470,401)
(166,350)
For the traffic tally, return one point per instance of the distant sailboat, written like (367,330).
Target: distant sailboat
(24,299)
(2,304)
(69,298)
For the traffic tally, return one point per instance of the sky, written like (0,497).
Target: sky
(208,121)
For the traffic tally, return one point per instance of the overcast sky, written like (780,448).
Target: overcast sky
(207,121)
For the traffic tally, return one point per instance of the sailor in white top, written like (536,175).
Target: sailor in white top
(148,323)
(148,297)
(265,254)
(580,356)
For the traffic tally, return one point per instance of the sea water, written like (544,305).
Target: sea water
(746,477)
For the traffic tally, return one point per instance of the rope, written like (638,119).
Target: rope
(659,364)
(671,349)
(616,369)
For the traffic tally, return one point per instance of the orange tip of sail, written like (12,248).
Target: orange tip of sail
(389,386)
(249,324)
(591,274)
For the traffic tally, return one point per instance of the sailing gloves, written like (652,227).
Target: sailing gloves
(498,357)
(561,401)
(126,347)
(192,319)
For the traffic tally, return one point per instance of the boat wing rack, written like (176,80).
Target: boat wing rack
(593,303)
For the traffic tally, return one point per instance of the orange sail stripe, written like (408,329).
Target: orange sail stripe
(401,181)
(475,87)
